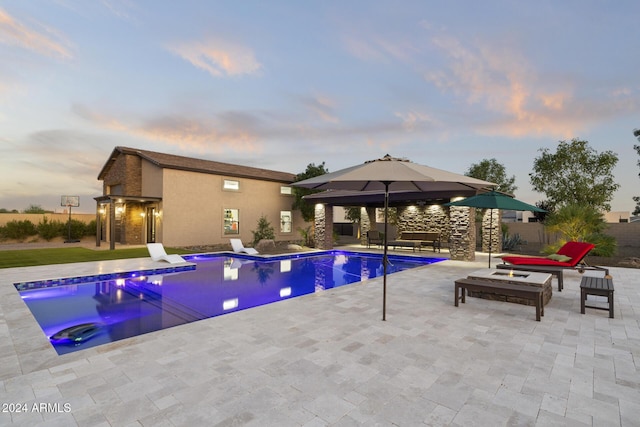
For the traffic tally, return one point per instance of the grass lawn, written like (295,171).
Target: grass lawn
(31,257)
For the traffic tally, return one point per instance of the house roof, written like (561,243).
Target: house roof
(172,161)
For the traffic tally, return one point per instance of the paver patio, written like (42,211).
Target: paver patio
(328,359)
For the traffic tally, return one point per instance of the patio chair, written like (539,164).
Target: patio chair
(569,257)
(374,238)
(238,247)
(157,253)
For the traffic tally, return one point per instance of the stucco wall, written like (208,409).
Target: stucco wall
(37,218)
(626,234)
(193,205)
(151,179)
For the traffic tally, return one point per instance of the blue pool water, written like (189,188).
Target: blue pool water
(112,308)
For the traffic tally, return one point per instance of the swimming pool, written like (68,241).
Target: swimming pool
(84,312)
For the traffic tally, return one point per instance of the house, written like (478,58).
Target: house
(183,201)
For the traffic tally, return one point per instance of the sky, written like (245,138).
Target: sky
(282,84)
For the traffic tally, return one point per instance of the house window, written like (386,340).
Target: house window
(285,221)
(231,185)
(231,221)
(115,190)
(285,190)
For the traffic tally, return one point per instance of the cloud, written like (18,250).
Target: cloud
(414,120)
(119,8)
(49,163)
(321,106)
(225,132)
(378,48)
(218,58)
(45,42)
(502,81)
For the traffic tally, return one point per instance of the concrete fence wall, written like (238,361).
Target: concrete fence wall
(37,218)
(626,233)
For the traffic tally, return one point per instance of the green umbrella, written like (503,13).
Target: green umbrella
(495,200)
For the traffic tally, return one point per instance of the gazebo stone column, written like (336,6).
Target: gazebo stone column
(367,222)
(492,230)
(462,244)
(323,226)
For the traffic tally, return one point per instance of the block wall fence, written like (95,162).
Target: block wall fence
(37,218)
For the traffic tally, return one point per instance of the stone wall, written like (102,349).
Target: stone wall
(492,230)
(367,222)
(425,218)
(323,227)
(462,241)
(127,173)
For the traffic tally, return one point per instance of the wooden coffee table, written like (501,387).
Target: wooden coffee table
(523,278)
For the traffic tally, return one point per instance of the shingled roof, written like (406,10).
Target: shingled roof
(171,161)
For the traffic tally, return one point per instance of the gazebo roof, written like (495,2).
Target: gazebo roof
(396,198)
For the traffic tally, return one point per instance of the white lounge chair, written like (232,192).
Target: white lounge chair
(238,247)
(157,253)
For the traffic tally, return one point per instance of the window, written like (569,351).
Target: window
(231,185)
(115,190)
(285,221)
(285,190)
(231,221)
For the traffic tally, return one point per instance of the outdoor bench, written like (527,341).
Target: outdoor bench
(599,286)
(525,292)
(417,239)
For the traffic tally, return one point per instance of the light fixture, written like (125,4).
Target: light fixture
(285,292)
(230,304)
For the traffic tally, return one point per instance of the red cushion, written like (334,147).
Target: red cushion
(575,250)
(534,260)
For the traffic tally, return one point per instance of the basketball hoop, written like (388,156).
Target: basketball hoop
(70,202)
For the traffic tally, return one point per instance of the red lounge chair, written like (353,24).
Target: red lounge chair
(576,251)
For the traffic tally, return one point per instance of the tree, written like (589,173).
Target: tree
(264,231)
(581,223)
(575,174)
(352,213)
(305,207)
(492,171)
(636,199)
(37,209)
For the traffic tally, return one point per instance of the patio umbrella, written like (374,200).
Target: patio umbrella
(399,175)
(495,200)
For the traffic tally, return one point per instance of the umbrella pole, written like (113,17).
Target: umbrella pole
(384,256)
(490,233)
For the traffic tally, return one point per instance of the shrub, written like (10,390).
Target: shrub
(78,229)
(48,229)
(307,236)
(264,231)
(90,228)
(19,230)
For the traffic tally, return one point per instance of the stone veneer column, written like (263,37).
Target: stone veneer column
(492,230)
(463,233)
(323,226)
(365,225)
(370,215)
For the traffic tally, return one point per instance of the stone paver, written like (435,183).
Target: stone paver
(329,359)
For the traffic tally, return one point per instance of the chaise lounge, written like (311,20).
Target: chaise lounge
(157,253)
(238,247)
(569,257)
